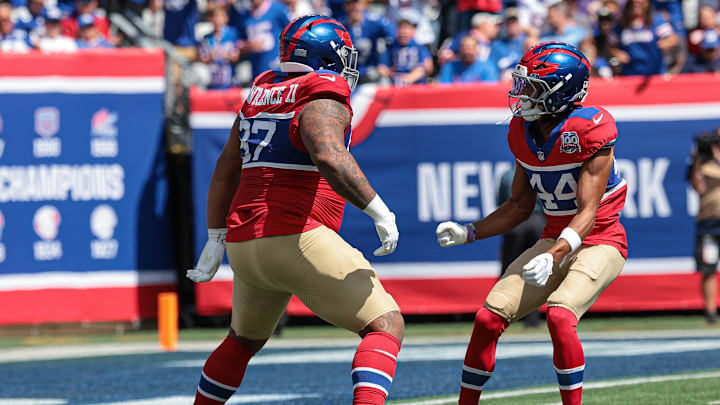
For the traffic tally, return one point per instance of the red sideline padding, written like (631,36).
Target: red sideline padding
(216,100)
(447,296)
(125,62)
(80,305)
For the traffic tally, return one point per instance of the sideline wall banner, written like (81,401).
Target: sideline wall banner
(83,230)
(436,153)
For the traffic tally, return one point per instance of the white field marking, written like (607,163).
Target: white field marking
(71,351)
(586,386)
(235,399)
(80,85)
(713,403)
(33,401)
(387,271)
(493,115)
(480,268)
(507,351)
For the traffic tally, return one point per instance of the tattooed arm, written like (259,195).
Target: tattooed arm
(322,126)
(322,129)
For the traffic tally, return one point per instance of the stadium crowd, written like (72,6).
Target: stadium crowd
(399,41)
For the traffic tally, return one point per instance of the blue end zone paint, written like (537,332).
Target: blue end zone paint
(122,378)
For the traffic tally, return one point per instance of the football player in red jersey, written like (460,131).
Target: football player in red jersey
(287,164)
(566,154)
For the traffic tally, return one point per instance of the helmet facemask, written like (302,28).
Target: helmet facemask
(530,97)
(349,58)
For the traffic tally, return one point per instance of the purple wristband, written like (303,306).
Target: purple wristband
(470,232)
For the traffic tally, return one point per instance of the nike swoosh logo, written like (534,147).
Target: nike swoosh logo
(331,78)
(597,121)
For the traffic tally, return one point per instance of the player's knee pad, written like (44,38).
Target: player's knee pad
(489,321)
(561,321)
(498,303)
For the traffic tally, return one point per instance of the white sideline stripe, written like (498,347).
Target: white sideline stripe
(539,345)
(489,115)
(588,386)
(370,385)
(219,384)
(387,271)
(372,370)
(361,101)
(447,352)
(477,371)
(306,168)
(82,85)
(569,370)
(493,115)
(235,399)
(471,269)
(212,120)
(83,280)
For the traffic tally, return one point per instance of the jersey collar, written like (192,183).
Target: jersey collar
(542,153)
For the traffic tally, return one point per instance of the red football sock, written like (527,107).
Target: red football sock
(223,373)
(568,356)
(480,357)
(373,368)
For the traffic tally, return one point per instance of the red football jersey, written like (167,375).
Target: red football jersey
(554,168)
(281,191)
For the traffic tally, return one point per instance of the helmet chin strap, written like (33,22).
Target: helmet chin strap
(528,112)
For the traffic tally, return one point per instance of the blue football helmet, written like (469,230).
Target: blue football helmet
(317,42)
(549,78)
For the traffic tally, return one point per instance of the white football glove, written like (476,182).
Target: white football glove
(384,225)
(210,258)
(388,233)
(451,234)
(537,271)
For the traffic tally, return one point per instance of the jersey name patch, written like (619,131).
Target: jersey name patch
(569,142)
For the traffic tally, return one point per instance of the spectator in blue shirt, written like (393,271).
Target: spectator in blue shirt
(509,47)
(219,50)
(258,29)
(11,39)
(88,35)
(561,27)
(640,39)
(406,62)
(468,68)
(180,19)
(367,30)
(31,18)
(485,28)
